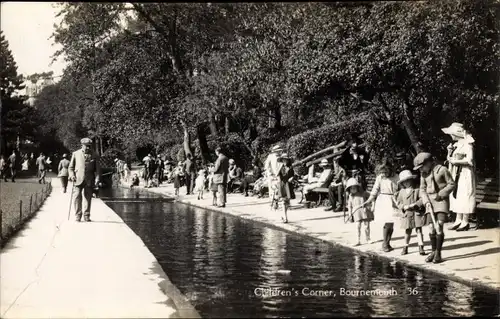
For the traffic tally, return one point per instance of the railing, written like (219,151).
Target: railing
(27,206)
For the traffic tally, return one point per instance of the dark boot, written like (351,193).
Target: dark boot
(421,250)
(430,258)
(439,246)
(405,250)
(385,240)
(389,237)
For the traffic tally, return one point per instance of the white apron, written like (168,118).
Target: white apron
(385,211)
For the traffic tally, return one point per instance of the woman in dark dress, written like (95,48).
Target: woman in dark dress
(285,178)
(355,161)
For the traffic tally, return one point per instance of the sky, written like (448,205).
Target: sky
(27,27)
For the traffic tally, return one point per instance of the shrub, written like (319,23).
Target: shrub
(309,142)
(234,148)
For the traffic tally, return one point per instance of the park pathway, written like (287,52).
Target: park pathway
(472,257)
(56,268)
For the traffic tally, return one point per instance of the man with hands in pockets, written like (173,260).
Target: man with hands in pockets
(85,172)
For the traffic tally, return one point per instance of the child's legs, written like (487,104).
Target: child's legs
(420,236)
(367,229)
(407,236)
(359,230)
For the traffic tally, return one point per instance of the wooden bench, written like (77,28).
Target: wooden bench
(323,191)
(487,202)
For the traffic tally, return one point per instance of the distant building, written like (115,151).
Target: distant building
(33,87)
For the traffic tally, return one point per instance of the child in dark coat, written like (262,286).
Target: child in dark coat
(409,203)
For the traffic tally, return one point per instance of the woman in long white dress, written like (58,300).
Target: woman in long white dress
(462,167)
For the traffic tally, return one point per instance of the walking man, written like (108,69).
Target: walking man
(41,165)
(190,173)
(3,168)
(63,171)
(85,172)
(13,166)
(221,171)
(436,185)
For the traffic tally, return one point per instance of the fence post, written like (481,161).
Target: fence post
(31,200)
(21,210)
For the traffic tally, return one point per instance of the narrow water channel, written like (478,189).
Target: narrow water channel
(228,268)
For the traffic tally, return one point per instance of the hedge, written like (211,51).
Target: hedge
(301,145)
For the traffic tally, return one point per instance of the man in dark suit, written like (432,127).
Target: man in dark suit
(85,172)
(221,171)
(336,187)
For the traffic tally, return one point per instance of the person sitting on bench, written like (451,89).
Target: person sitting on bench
(336,188)
(324,179)
(235,175)
(249,179)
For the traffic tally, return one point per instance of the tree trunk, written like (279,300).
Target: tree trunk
(226,125)
(187,139)
(202,139)
(213,126)
(275,118)
(253,130)
(410,129)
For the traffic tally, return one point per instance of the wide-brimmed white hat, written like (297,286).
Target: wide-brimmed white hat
(406,175)
(456,129)
(351,182)
(276,148)
(324,162)
(284,155)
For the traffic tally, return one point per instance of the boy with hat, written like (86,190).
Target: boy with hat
(436,185)
(85,172)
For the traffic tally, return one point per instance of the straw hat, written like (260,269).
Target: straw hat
(406,175)
(456,129)
(276,148)
(351,182)
(284,156)
(86,141)
(231,162)
(324,162)
(65,155)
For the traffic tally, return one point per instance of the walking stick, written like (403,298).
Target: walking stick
(71,198)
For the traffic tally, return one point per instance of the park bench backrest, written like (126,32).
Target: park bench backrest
(487,194)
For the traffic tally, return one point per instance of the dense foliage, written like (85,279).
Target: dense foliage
(159,76)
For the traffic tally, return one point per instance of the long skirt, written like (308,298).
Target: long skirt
(465,201)
(385,211)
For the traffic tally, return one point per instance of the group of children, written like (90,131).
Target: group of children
(392,198)
(203,181)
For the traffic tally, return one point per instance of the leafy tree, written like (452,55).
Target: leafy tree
(18,120)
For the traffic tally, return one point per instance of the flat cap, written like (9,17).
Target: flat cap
(86,141)
(420,159)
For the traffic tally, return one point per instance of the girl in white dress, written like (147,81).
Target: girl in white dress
(386,185)
(462,167)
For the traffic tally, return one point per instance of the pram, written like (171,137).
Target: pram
(276,199)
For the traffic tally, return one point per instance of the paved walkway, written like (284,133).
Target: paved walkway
(60,269)
(472,256)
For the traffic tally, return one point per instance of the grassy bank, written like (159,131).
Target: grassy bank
(19,201)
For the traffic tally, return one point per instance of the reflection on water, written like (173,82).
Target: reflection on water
(228,267)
